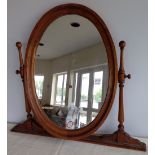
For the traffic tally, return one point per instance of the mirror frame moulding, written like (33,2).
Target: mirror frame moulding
(29,66)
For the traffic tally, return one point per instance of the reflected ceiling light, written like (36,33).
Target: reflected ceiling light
(41,44)
(75,24)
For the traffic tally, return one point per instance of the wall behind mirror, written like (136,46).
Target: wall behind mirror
(71,72)
(122,23)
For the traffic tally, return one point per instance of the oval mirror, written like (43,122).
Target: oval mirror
(72,63)
(71,72)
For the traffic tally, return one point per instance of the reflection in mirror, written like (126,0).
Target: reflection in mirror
(71,72)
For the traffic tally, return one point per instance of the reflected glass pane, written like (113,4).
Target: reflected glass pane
(84,90)
(39,85)
(74,87)
(97,89)
(64,88)
(59,89)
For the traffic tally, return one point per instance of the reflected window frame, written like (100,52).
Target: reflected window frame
(76,97)
(39,94)
(63,97)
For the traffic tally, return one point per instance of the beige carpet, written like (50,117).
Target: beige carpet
(25,144)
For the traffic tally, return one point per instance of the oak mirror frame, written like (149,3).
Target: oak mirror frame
(29,65)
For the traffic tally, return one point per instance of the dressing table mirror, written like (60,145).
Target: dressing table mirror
(70,76)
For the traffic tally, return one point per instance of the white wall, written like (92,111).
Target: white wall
(126,19)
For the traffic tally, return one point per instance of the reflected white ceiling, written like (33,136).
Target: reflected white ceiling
(61,38)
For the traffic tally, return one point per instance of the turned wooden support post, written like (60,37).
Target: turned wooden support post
(120,138)
(21,72)
(121,80)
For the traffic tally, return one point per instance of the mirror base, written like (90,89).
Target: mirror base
(118,139)
(30,126)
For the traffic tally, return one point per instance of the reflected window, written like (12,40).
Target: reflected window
(88,92)
(39,80)
(97,89)
(61,89)
(84,90)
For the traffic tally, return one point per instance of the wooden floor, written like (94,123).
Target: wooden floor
(25,144)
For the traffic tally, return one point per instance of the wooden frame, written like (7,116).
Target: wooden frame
(33,42)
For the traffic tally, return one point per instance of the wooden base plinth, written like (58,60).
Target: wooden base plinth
(30,126)
(117,139)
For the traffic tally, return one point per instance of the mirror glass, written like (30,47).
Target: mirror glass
(71,72)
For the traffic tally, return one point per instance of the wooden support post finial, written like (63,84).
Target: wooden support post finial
(21,69)
(18,44)
(122,44)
